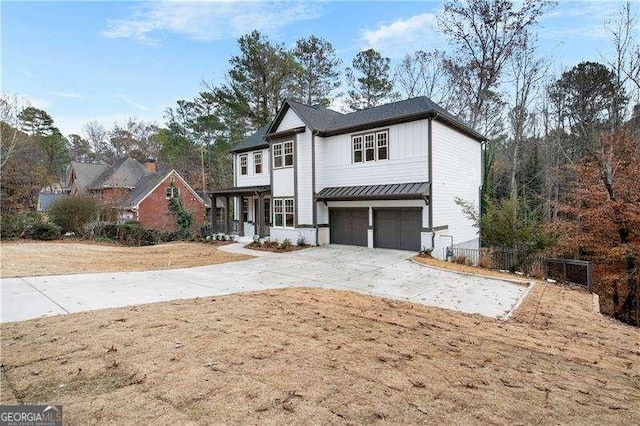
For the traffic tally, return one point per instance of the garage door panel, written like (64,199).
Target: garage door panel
(349,226)
(397,228)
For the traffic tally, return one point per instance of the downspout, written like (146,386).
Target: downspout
(430,178)
(314,207)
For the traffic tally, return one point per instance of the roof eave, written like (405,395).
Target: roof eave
(249,148)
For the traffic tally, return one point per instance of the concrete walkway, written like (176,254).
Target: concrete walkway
(380,272)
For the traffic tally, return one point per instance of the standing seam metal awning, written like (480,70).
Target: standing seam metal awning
(242,190)
(405,191)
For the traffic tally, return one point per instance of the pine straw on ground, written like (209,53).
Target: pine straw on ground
(30,258)
(323,356)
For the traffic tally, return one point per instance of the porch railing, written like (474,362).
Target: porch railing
(220,227)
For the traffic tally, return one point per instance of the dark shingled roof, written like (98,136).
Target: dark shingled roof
(397,191)
(125,173)
(143,186)
(328,122)
(254,141)
(86,173)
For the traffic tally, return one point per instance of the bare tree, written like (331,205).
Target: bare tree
(97,136)
(486,33)
(423,74)
(528,72)
(10,107)
(625,62)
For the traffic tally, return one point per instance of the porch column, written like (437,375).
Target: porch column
(241,217)
(212,213)
(228,207)
(260,214)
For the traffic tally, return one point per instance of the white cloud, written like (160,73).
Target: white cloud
(69,95)
(207,21)
(397,38)
(132,102)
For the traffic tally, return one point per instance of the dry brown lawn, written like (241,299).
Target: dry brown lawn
(315,356)
(30,258)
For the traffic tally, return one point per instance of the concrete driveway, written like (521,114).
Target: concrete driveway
(379,272)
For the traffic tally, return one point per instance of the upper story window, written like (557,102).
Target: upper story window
(172,192)
(257,162)
(282,154)
(372,146)
(243,164)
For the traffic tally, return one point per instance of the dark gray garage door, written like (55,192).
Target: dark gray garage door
(349,226)
(397,228)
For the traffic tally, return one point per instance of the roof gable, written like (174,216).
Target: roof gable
(83,175)
(150,182)
(125,173)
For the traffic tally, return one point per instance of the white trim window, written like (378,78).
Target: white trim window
(172,192)
(283,213)
(289,213)
(243,165)
(357,149)
(288,154)
(257,162)
(277,155)
(368,147)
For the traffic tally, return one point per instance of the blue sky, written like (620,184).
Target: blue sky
(105,61)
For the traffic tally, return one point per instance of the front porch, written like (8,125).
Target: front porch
(245,211)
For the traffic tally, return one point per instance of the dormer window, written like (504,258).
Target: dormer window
(373,146)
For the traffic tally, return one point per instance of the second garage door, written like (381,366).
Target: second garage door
(397,228)
(349,226)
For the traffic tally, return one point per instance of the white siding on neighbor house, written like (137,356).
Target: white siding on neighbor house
(457,172)
(305,189)
(408,159)
(283,182)
(252,179)
(290,121)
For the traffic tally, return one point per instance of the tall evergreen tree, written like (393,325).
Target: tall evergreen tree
(259,80)
(318,76)
(369,80)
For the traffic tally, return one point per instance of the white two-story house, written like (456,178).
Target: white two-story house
(382,177)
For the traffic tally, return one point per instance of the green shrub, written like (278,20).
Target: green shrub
(285,244)
(73,214)
(44,231)
(11,225)
(28,225)
(302,241)
(130,233)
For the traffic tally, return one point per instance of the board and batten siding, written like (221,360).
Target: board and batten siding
(408,159)
(304,176)
(457,172)
(252,179)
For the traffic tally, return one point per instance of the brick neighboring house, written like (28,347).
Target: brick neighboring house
(137,190)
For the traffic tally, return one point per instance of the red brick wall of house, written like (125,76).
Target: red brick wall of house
(113,195)
(154,212)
